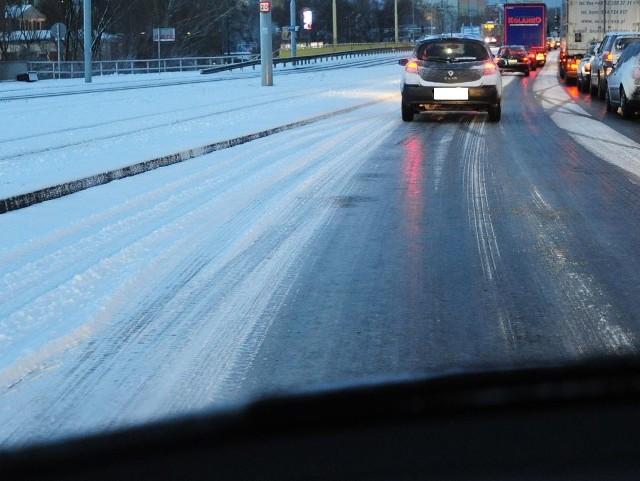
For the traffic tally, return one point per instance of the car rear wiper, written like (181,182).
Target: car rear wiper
(439,59)
(465,59)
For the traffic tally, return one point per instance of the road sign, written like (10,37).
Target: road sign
(265,7)
(164,34)
(58,31)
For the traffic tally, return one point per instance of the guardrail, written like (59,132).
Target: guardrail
(53,70)
(309,58)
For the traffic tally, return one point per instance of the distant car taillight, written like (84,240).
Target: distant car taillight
(489,68)
(411,67)
(573,65)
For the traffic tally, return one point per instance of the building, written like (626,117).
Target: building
(23,34)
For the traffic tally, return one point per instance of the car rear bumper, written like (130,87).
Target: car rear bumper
(418,95)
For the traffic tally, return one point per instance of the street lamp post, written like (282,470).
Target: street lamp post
(413,20)
(335,24)
(395,19)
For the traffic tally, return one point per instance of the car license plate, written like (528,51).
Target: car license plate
(512,61)
(456,93)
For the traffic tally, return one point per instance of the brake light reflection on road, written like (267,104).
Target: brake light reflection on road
(413,169)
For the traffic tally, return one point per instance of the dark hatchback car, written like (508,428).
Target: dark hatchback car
(450,73)
(514,58)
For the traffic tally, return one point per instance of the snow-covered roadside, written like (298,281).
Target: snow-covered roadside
(47,141)
(595,136)
(118,300)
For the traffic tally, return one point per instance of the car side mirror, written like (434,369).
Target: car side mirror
(403,61)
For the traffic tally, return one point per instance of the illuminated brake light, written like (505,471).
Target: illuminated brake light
(411,67)
(489,68)
(608,57)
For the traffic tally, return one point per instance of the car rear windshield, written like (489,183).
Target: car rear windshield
(452,51)
(512,50)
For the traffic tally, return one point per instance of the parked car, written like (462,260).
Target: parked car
(610,49)
(514,58)
(623,83)
(583,78)
(450,73)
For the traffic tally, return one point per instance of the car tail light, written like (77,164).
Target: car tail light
(489,68)
(587,67)
(411,67)
(608,57)
(573,65)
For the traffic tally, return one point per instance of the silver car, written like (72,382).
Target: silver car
(623,83)
(583,78)
(451,73)
(610,49)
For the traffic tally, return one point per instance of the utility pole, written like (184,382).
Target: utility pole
(87,40)
(292,29)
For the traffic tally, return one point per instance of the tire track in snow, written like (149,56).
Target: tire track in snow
(475,179)
(241,248)
(588,319)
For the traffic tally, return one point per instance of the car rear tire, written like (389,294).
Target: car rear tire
(407,112)
(602,89)
(592,90)
(584,87)
(627,110)
(495,112)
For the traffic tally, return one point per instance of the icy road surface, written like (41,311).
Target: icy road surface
(355,245)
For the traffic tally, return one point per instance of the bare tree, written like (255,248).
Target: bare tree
(5,30)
